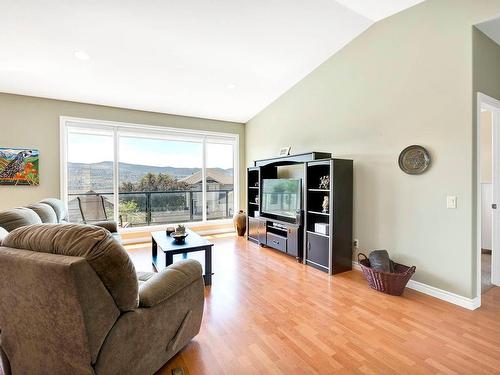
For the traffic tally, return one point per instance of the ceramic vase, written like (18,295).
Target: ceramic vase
(240,223)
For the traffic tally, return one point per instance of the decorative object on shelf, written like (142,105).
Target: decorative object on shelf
(393,283)
(257,200)
(322,228)
(285,151)
(240,223)
(256,184)
(325,204)
(19,166)
(179,235)
(324,182)
(414,160)
(170,230)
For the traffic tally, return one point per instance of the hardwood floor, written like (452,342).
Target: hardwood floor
(267,314)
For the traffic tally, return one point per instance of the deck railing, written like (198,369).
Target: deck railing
(142,208)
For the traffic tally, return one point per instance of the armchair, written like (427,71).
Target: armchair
(93,211)
(77,305)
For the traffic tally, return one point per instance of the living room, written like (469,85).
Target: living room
(337,127)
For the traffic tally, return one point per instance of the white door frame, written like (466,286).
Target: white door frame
(493,105)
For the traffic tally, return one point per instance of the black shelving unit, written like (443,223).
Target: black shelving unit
(253,204)
(331,252)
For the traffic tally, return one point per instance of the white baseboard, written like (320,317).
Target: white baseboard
(468,303)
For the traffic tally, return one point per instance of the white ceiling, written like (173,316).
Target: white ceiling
(220,59)
(491,29)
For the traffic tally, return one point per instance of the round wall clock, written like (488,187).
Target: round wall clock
(414,160)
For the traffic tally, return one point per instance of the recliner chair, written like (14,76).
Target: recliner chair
(72,303)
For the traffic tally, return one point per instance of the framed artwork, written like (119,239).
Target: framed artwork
(19,166)
(285,151)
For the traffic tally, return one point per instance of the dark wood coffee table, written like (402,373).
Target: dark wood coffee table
(194,242)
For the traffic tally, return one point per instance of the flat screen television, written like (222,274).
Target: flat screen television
(281,197)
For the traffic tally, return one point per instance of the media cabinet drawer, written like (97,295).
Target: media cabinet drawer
(276,242)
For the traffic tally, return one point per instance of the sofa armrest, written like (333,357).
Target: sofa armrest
(168,282)
(109,225)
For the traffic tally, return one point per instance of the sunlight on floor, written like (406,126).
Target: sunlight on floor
(142,245)
(136,246)
(221,235)
(140,253)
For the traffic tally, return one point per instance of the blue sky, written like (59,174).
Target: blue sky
(84,148)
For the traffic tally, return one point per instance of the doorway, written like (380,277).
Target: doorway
(488,193)
(485,176)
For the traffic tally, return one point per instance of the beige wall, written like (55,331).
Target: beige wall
(486,147)
(406,80)
(34,123)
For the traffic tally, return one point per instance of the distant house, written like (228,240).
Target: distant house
(217,179)
(221,183)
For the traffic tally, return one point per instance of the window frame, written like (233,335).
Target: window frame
(117,129)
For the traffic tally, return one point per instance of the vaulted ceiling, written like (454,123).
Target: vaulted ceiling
(491,28)
(220,59)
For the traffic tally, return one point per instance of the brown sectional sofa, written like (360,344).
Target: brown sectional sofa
(71,302)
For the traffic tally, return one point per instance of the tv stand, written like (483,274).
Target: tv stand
(279,235)
(322,235)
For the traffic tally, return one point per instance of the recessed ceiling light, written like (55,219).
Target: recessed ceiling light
(232,86)
(81,55)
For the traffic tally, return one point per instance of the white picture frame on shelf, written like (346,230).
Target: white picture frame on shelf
(285,151)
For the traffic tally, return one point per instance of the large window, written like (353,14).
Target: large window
(219,180)
(146,175)
(89,180)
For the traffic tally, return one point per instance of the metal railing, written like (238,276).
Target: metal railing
(140,208)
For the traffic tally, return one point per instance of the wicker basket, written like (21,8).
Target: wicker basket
(393,283)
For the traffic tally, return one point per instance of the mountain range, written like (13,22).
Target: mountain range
(99,176)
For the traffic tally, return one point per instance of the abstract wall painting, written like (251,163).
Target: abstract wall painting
(19,166)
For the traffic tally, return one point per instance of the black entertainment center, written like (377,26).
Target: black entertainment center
(289,213)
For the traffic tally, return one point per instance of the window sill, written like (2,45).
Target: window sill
(143,234)
(194,224)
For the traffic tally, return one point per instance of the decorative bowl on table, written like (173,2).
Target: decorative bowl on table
(179,238)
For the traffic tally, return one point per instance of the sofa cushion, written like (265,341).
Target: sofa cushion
(18,217)
(161,286)
(45,211)
(105,255)
(59,208)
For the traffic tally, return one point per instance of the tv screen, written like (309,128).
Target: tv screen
(281,197)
